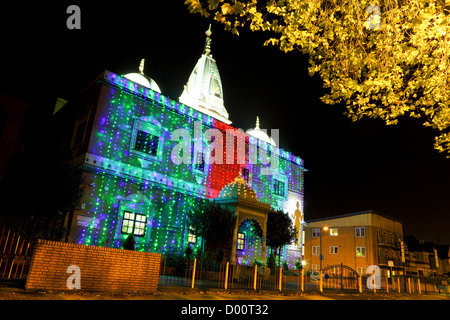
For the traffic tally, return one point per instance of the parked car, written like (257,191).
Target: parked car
(315,275)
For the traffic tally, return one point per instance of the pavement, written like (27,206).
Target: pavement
(179,303)
(8,292)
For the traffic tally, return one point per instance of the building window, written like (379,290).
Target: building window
(147,143)
(333,231)
(192,237)
(134,223)
(361,270)
(147,139)
(246,174)
(315,267)
(315,232)
(360,232)
(79,132)
(333,250)
(316,250)
(199,162)
(279,188)
(240,241)
(360,251)
(379,236)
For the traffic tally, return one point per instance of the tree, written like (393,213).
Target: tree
(385,59)
(280,231)
(214,224)
(40,185)
(129,243)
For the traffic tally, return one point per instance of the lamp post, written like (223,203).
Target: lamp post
(321,251)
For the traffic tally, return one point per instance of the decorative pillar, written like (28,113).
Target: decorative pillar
(234,242)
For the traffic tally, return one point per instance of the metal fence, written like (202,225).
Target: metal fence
(15,255)
(198,274)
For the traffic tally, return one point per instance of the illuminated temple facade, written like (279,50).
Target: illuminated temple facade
(125,136)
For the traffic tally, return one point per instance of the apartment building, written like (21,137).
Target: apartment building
(357,240)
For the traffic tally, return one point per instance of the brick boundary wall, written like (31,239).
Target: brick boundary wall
(101,269)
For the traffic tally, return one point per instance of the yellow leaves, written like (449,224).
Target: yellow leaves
(397,65)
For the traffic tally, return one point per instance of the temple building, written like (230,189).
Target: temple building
(147,159)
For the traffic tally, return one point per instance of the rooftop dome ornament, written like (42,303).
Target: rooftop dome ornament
(141,79)
(238,189)
(260,134)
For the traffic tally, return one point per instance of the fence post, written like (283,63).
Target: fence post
(226,275)
(360,283)
(303,280)
(280,278)
(255,276)
(193,273)
(321,281)
(418,285)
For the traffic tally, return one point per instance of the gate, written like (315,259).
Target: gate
(340,277)
(15,255)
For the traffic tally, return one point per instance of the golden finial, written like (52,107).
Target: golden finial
(208,32)
(141,66)
(257,122)
(208,41)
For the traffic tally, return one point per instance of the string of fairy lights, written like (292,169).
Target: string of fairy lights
(118,178)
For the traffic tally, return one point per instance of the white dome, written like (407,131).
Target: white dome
(259,134)
(143,81)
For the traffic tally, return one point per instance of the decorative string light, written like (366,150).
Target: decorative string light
(115,174)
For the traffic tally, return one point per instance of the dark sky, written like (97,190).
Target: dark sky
(352,166)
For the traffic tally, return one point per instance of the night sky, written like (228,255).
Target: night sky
(351,166)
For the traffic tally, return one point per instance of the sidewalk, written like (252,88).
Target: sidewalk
(180,293)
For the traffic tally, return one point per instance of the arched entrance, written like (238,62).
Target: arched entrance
(249,243)
(340,277)
(241,199)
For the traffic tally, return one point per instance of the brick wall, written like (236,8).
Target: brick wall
(101,269)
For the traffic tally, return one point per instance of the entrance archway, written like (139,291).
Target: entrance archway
(340,277)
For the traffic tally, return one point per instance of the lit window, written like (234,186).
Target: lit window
(360,232)
(360,251)
(240,241)
(192,237)
(146,143)
(333,250)
(134,223)
(316,250)
(333,231)
(279,188)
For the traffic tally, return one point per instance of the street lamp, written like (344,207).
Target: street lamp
(321,249)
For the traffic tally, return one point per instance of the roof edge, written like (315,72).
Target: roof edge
(355,214)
